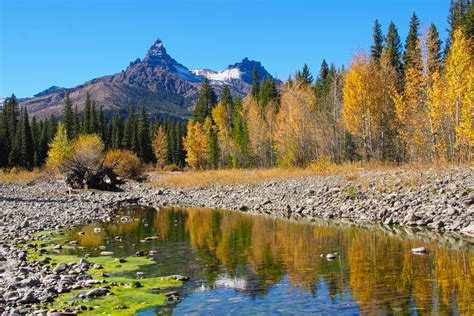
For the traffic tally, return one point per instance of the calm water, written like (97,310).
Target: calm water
(244,264)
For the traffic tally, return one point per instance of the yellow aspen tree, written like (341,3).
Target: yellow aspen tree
(361,107)
(221,117)
(160,147)
(60,149)
(296,139)
(415,128)
(196,144)
(459,79)
(442,121)
(260,123)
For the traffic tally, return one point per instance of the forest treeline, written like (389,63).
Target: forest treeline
(395,103)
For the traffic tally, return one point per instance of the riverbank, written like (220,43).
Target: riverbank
(441,200)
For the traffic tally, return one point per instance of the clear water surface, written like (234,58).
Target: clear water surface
(247,264)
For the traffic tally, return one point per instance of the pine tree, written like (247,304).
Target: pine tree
(206,102)
(460,15)
(321,85)
(4,144)
(412,47)
(268,93)
(433,47)
(35,136)
(102,128)
(305,76)
(129,130)
(86,115)
(52,127)
(144,143)
(93,120)
(68,118)
(377,46)
(75,123)
(115,132)
(26,147)
(394,48)
(255,90)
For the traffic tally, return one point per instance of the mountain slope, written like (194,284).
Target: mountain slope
(164,85)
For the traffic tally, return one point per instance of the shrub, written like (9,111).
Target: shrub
(171,168)
(125,163)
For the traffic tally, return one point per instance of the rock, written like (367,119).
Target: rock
(469,230)
(92,282)
(331,256)
(29,298)
(25,223)
(60,268)
(180,277)
(152,252)
(11,296)
(106,253)
(419,250)
(97,292)
(140,253)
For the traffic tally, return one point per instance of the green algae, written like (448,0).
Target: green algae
(127,295)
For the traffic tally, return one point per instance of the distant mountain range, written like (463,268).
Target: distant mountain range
(165,86)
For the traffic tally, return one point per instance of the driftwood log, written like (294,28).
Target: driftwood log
(81,176)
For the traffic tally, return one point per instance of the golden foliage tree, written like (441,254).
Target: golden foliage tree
(160,147)
(296,139)
(415,126)
(221,117)
(260,125)
(60,149)
(197,144)
(459,93)
(361,110)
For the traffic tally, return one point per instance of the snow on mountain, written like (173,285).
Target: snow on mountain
(223,76)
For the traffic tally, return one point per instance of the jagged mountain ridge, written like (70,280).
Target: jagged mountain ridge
(164,85)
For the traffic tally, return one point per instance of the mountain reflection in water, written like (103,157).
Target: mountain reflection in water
(241,264)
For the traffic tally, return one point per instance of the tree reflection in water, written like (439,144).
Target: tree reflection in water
(252,254)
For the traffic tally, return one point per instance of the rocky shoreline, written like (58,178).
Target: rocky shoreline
(441,200)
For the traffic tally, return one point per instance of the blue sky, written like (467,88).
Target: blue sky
(67,42)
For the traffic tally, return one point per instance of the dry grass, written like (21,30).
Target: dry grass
(19,176)
(351,171)
(255,176)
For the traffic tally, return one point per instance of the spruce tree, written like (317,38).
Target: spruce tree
(214,149)
(35,136)
(412,47)
(321,85)
(86,115)
(93,119)
(4,147)
(377,46)
(394,48)
(460,15)
(11,114)
(68,118)
(26,152)
(305,76)
(144,142)
(206,102)
(268,92)
(101,127)
(255,90)
(75,123)
(129,133)
(433,47)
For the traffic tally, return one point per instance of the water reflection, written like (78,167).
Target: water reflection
(243,263)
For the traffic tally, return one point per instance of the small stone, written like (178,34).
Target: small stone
(106,253)
(331,256)
(180,277)
(419,250)
(97,292)
(60,268)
